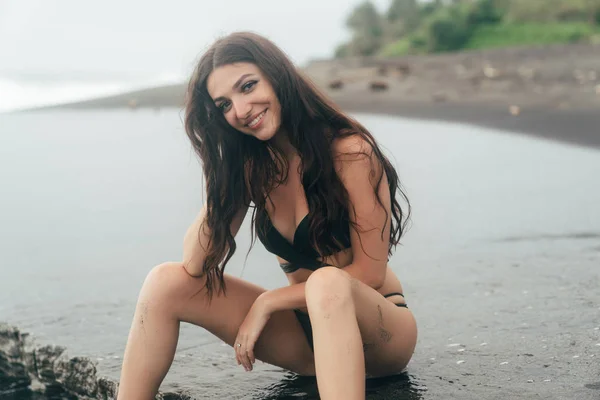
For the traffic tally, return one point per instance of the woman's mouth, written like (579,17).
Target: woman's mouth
(256,122)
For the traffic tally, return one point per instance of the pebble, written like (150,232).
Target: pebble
(460,350)
(483,344)
(575,356)
(460,362)
(99,359)
(529,380)
(547,380)
(504,363)
(597,328)
(525,291)
(515,110)
(597,344)
(453,345)
(432,358)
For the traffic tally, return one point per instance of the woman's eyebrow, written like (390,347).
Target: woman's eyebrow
(235,86)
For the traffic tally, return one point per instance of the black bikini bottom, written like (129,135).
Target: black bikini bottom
(304,319)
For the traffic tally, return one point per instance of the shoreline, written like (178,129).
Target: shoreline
(576,126)
(580,127)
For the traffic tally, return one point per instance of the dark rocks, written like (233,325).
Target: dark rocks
(336,84)
(378,86)
(13,370)
(48,372)
(77,375)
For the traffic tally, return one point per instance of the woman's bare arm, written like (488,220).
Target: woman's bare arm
(195,241)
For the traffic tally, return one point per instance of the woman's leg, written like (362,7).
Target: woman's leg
(168,296)
(355,331)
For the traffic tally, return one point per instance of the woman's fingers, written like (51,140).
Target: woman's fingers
(241,353)
(236,348)
(245,358)
(251,359)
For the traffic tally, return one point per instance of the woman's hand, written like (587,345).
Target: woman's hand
(249,331)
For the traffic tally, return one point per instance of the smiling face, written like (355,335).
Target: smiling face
(246,99)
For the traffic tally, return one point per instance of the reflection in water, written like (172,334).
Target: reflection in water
(397,387)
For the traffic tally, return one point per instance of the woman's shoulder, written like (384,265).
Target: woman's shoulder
(351,147)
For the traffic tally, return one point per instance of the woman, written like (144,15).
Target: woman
(324,199)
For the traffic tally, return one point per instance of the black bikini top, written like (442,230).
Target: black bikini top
(300,253)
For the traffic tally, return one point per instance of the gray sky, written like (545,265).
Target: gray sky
(122,39)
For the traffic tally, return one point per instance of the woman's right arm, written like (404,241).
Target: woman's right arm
(196,241)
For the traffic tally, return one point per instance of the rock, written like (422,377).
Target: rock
(378,86)
(515,110)
(47,370)
(336,84)
(491,72)
(13,371)
(77,375)
(45,357)
(107,389)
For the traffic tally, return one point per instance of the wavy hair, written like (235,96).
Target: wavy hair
(232,160)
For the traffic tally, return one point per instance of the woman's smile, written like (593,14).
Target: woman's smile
(257,121)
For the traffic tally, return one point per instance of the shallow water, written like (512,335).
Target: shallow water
(501,260)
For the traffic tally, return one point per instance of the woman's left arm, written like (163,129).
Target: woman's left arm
(362,174)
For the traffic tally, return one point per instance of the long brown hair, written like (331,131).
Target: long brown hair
(230,160)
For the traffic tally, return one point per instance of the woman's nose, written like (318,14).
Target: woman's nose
(242,110)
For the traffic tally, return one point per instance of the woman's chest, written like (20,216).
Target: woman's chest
(287,206)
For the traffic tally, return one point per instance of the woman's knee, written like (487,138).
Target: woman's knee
(166,283)
(327,288)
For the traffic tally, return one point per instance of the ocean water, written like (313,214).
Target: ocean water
(502,257)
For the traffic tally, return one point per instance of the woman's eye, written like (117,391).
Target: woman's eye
(224,106)
(248,85)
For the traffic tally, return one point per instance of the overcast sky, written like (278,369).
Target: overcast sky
(121,39)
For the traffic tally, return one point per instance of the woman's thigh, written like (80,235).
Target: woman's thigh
(282,341)
(389,332)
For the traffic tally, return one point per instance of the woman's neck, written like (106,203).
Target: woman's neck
(282,142)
